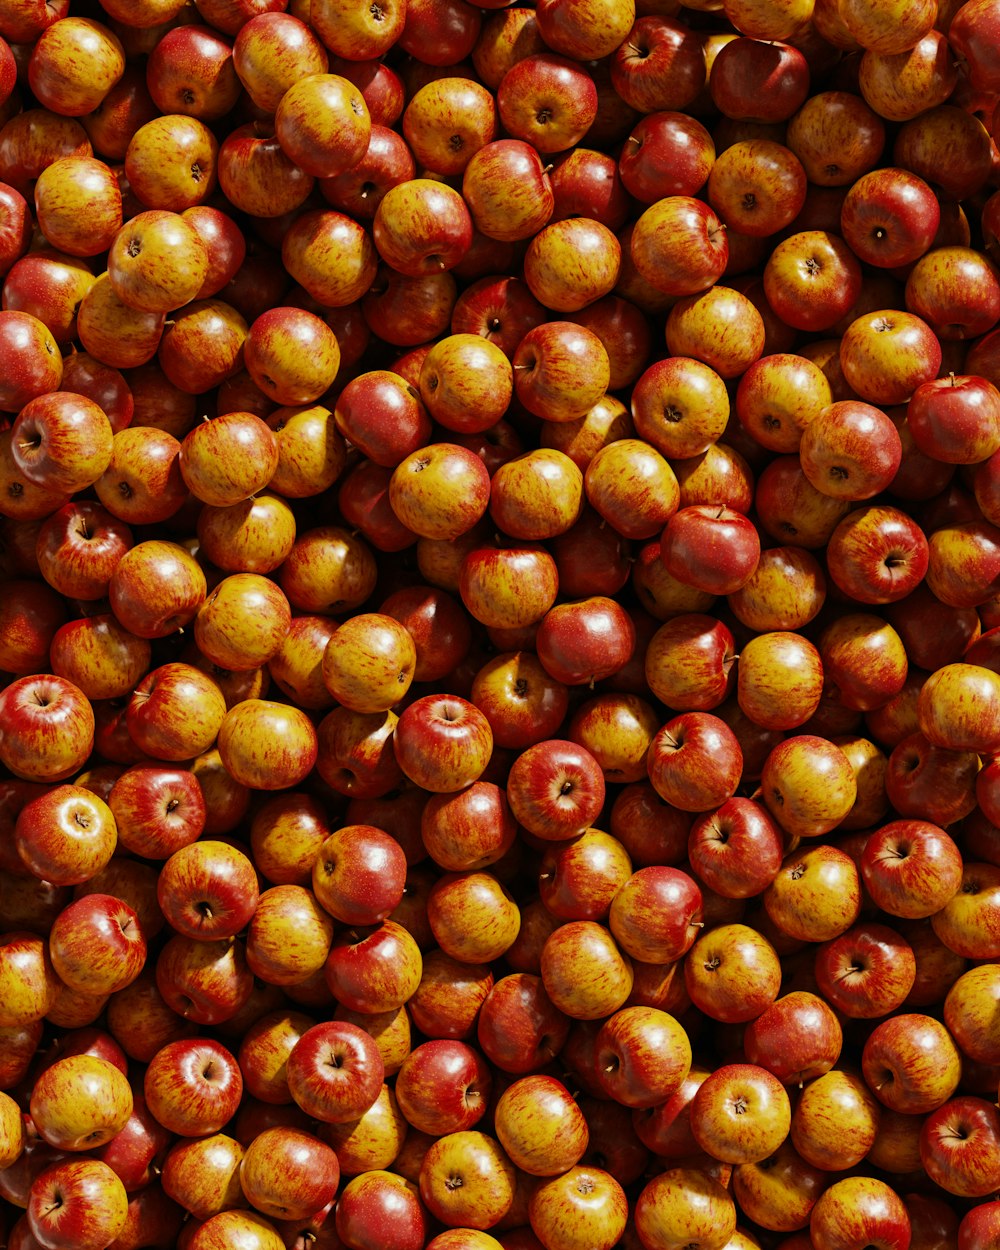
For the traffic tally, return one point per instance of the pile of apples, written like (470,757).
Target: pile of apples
(499,625)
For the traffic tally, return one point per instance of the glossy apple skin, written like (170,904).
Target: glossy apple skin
(732,973)
(683,1202)
(79,1102)
(969,1010)
(79,1199)
(540,1126)
(864,1209)
(97,945)
(442,744)
(377,1204)
(193,1087)
(796,1038)
(911,1063)
(657,914)
(911,868)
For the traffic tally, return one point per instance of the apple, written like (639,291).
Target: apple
(80,1102)
(379,1204)
(560,370)
(175,712)
(372,971)
(232,1227)
(609,971)
(863,1209)
(443,1087)
(519,1028)
(911,1063)
(584,1198)
(97,945)
(193,1086)
(660,66)
(886,355)
(541,1128)
(270,952)
(968,1011)
(683,1203)
(358,875)
(678,762)
(732,973)
(547,101)
(202,1174)
(911,868)
(442,743)
(77,1202)
(632,486)
(439,491)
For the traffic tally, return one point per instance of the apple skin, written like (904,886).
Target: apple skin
(372,971)
(911,868)
(65,835)
(267,745)
(447,1001)
(959,1146)
(980,1227)
(288,939)
(736,850)
(97,945)
(683,1203)
(175,712)
(48,728)
(540,1126)
(740,1114)
(561,370)
(202,1174)
(642,1056)
(816,895)
(289,1174)
(911,1063)
(377,1205)
(967,924)
(442,743)
(208,890)
(797,1038)
(609,971)
(359,875)
(443,1087)
(80,1102)
(732,973)
(887,354)
(955,708)
(422,227)
(678,755)
(655,917)
(862,1209)
(867,972)
(970,1010)
(469,830)
(545,100)
(157,810)
(660,66)
(689,662)
(78,1202)
(519,1028)
(193,1086)
(585,641)
(230,1228)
